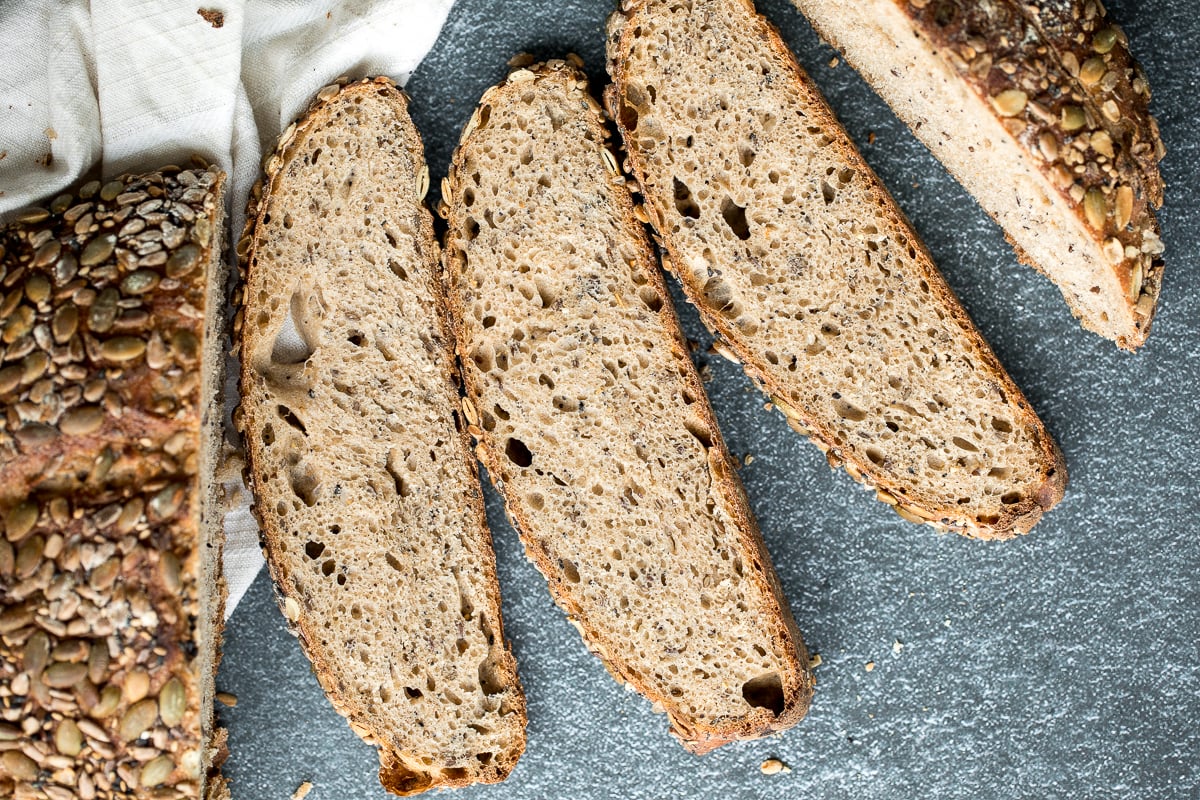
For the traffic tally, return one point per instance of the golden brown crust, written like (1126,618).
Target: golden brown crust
(396,773)
(101,488)
(798,680)
(1016,519)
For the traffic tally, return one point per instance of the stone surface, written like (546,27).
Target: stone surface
(1061,664)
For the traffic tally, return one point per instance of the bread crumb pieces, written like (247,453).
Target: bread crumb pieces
(870,137)
(897,646)
(51,134)
(749,459)
(212,16)
(227,699)
(706,373)
(814,661)
(302,790)
(869,666)
(833,62)
(773,766)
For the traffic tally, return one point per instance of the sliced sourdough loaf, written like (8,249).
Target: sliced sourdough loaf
(800,260)
(1042,114)
(593,424)
(111,591)
(361,470)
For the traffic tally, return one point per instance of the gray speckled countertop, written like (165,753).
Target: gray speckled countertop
(1062,664)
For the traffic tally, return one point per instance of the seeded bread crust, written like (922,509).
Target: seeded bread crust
(1057,79)
(566,80)
(110,568)
(403,770)
(908,498)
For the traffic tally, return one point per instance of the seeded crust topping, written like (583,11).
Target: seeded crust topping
(1061,77)
(101,322)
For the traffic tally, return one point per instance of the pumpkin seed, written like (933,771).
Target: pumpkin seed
(65,322)
(110,190)
(98,249)
(19,765)
(183,261)
(156,771)
(64,674)
(82,420)
(137,685)
(110,699)
(140,282)
(68,739)
(20,520)
(173,699)
(138,719)
(103,312)
(10,378)
(1010,102)
(122,348)
(47,253)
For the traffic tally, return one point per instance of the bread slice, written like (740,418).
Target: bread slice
(799,259)
(594,426)
(358,460)
(1042,114)
(111,591)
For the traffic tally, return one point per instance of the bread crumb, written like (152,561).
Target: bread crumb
(870,137)
(833,62)
(749,459)
(212,16)
(706,373)
(814,661)
(773,766)
(302,791)
(870,665)
(227,699)
(3,154)
(897,646)
(51,134)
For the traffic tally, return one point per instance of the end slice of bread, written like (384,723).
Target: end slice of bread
(1042,114)
(593,424)
(111,590)
(362,475)
(800,260)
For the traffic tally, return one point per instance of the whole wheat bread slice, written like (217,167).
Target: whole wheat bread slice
(1042,114)
(111,590)
(362,475)
(800,260)
(593,424)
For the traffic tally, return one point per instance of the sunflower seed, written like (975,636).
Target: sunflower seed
(97,662)
(19,765)
(169,565)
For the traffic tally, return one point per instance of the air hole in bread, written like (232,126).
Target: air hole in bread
(651,298)
(765,691)
(500,412)
(516,452)
(570,571)
(268,435)
(828,193)
(304,484)
(314,550)
(1002,425)
(684,203)
(735,218)
(289,416)
(395,462)
(356,339)
(1010,498)
(963,444)
(545,293)
(296,340)
(699,430)
(719,293)
(847,410)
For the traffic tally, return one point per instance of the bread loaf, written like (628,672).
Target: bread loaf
(593,424)
(362,475)
(1041,113)
(110,567)
(801,262)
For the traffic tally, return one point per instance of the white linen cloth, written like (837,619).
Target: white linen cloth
(135,84)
